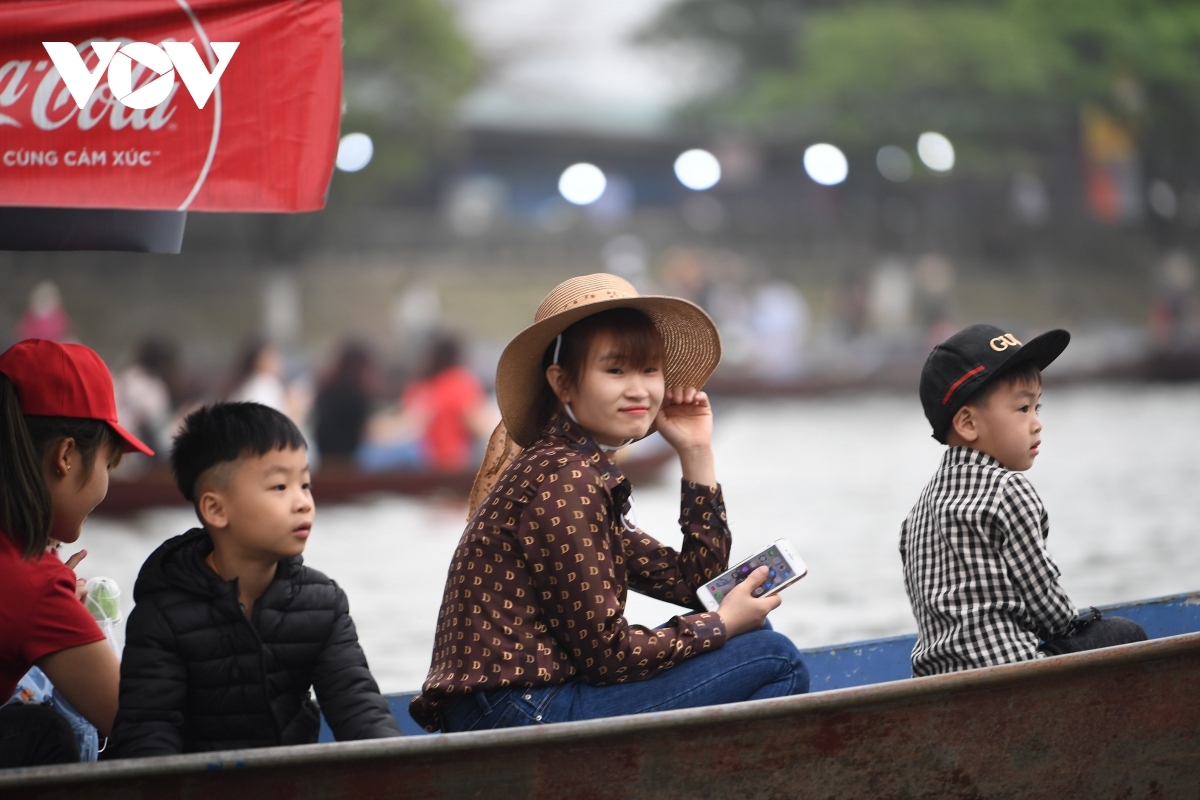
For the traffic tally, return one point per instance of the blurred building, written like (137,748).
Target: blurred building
(482,228)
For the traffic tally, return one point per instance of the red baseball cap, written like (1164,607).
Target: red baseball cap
(65,380)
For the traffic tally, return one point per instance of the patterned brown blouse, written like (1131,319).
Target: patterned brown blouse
(536,591)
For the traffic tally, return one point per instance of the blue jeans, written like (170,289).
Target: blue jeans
(752,666)
(374,457)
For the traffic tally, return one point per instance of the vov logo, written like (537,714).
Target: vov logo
(178,57)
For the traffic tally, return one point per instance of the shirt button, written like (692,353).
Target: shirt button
(538,717)
(528,697)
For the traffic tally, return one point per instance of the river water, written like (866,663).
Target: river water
(1119,474)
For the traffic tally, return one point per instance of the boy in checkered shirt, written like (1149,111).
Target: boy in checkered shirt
(983,588)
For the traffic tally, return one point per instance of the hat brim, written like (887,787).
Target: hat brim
(691,346)
(1041,350)
(131,444)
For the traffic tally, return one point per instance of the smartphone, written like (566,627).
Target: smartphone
(785,569)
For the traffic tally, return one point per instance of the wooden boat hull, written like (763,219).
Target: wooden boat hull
(341,483)
(1121,722)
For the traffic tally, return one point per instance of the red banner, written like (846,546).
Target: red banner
(264,139)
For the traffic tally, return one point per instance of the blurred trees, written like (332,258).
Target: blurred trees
(406,66)
(1005,79)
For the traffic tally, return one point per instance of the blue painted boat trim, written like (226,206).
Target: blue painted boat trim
(882,660)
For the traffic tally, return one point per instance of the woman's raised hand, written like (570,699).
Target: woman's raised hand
(742,612)
(685,421)
(685,418)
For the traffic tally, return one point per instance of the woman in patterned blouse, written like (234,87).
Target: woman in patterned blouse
(532,627)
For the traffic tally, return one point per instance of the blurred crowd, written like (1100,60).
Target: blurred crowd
(1175,312)
(892,311)
(352,414)
(433,412)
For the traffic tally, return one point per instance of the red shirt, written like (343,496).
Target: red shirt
(39,613)
(448,398)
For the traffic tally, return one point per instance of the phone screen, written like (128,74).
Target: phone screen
(779,572)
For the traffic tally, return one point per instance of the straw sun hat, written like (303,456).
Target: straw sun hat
(691,347)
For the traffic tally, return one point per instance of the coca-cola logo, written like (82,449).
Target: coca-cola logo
(112,105)
(147,105)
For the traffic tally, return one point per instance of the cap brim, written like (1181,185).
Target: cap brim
(132,443)
(1041,350)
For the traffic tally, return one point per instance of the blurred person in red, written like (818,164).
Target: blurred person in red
(45,318)
(442,417)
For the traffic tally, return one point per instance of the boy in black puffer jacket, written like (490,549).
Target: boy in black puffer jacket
(230,630)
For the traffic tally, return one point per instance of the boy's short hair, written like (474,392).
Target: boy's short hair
(224,432)
(1024,374)
(972,361)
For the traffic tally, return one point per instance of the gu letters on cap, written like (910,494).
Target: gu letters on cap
(179,57)
(1002,343)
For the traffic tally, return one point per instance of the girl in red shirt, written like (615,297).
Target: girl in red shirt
(59,438)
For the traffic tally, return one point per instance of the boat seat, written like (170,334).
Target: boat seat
(872,661)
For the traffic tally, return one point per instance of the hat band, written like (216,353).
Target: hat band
(954,386)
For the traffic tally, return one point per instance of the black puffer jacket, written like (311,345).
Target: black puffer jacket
(198,675)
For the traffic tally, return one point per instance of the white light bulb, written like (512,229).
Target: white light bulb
(935,151)
(354,152)
(582,184)
(825,164)
(698,170)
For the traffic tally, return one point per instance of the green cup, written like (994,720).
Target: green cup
(103,600)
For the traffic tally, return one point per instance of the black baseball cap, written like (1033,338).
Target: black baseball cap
(971,359)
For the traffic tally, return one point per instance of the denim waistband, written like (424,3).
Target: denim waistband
(490,708)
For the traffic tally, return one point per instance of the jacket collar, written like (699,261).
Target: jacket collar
(561,430)
(179,563)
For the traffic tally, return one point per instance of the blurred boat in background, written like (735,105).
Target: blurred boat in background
(1155,365)
(342,483)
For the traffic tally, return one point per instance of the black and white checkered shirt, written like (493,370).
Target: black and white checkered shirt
(982,586)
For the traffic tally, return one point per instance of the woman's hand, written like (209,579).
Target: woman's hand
(685,421)
(741,612)
(685,418)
